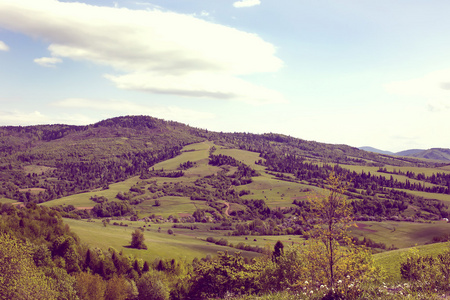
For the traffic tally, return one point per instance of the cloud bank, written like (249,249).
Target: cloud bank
(150,50)
(246,3)
(48,62)
(3,46)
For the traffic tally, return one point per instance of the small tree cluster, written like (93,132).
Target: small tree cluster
(137,240)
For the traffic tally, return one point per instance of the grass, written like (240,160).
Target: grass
(400,178)
(175,206)
(83,199)
(247,157)
(401,234)
(188,243)
(442,197)
(390,261)
(194,153)
(30,169)
(7,200)
(184,244)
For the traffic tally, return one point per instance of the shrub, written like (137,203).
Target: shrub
(151,286)
(137,239)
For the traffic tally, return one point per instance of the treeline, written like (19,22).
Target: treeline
(282,145)
(441,179)
(314,172)
(40,258)
(72,177)
(380,195)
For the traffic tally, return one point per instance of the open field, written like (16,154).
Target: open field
(37,169)
(247,157)
(6,200)
(400,178)
(443,197)
(390,261)
(401,234)
(416,170)
(175,206)
(188,244)
(194,153)
(276,193)
(184,243)
(83,199)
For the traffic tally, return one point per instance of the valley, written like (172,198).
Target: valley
(194,193)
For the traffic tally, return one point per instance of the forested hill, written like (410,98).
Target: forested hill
(65,159)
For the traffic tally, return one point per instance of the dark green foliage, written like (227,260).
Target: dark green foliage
(86,157)
(112,209)
(137,240)
(278,250)
(426,272)
(152,287)
(226,273)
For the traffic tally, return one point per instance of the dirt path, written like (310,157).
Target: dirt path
(228,208)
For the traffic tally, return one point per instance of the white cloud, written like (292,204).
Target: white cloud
(130,108)
(246,3)
(48,62)
(20,118)
(433,87)
(154,43)
(3,46)
(198,84)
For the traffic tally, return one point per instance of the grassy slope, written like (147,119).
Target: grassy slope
(391,261)
(401,234)
(83,199)
(7,200)
(190,243)
(185,243)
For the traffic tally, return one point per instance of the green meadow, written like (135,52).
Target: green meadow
(188,244)
(391,261)
(401,234)
(83,199)
(6,200)
(183,243)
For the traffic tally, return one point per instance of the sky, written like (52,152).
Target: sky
(362,73)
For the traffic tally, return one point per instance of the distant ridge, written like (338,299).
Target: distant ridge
(442,154)
(375,150)
(410,152)
(433,153)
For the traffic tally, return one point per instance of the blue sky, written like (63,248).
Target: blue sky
(344,72)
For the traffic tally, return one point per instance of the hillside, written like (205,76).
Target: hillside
(432,154)
(64,160)
(191,194)
(371,149)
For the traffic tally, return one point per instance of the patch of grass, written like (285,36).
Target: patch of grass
(275,192)
(194,153)
(401,234)
(37,169)
(83,199)
(7,200)
(170,206)
(183,244)
(247,157)
(443,197)
(390,261)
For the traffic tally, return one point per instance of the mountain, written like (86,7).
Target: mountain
(375,150)
(433,153)
(410,152)
(65,160)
